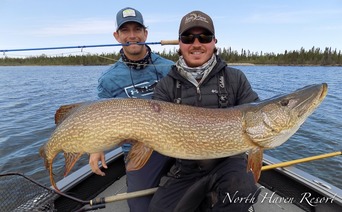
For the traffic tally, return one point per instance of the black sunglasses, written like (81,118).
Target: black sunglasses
(202,38)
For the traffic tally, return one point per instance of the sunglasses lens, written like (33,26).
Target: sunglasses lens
(202,38)
(187,39)
(205,38)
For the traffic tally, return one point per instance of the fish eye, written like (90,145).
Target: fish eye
(284,102)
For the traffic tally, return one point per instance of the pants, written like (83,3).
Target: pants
(144,178)
(227,187)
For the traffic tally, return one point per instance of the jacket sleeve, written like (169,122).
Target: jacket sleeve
(102,92)
(105,84)
(242,88)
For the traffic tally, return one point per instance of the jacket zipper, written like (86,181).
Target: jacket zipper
(199,93)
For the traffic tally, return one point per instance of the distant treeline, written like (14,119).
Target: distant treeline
(313,56)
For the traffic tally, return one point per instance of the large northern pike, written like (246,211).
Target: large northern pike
(180,131)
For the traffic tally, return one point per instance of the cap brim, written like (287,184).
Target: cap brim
(197,25)
(130,20)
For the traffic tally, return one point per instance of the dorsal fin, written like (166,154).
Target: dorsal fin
(64,111)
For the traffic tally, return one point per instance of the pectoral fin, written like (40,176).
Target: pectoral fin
(255,157)
(138,156)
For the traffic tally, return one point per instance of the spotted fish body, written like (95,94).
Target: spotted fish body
(181,131)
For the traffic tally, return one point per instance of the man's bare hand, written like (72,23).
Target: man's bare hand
(94,162)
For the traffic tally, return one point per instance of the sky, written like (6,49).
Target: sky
(268,26)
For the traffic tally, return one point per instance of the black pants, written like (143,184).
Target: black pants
(226,187)
(144,178)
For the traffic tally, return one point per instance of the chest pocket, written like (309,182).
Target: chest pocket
(223,100)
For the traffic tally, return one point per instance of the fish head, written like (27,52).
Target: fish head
(275,120)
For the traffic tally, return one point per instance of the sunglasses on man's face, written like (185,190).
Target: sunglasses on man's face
(190,39)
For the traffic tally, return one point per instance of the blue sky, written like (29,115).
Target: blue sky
(264,25)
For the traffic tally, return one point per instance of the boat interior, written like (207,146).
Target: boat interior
(282,189)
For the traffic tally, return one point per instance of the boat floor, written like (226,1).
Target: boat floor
(267,200)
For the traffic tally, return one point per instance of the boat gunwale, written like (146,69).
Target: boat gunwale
(291,173)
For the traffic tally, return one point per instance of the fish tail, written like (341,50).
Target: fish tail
(42,154)
(48,166)
(52,179)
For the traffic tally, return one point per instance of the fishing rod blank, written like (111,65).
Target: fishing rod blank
(162,42)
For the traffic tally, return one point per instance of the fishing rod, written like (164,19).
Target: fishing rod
(43,194)
(162,42)
(302,160)
(149,191)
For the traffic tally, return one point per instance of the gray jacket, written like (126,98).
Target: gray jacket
(237,87)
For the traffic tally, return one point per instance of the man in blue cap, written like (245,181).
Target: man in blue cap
(134,75)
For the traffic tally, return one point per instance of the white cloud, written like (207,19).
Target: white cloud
(81,27)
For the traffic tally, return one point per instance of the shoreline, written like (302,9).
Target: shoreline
(229,64)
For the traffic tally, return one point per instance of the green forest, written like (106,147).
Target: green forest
(302,57)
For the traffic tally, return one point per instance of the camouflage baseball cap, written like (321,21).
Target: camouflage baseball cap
(196,19)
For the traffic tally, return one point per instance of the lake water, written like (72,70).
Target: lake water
(29,97)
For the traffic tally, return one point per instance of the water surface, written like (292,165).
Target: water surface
(29,97)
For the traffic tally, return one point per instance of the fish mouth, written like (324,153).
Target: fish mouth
(324,91)
(312,98)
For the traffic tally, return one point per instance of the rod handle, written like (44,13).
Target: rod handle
(129,195)
(169,42)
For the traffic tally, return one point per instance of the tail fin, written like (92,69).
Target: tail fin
(42,154)
(48,165)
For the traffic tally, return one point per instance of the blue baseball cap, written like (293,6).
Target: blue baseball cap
(128,14)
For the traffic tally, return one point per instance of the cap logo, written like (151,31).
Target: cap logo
(128,13)
(195,17)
